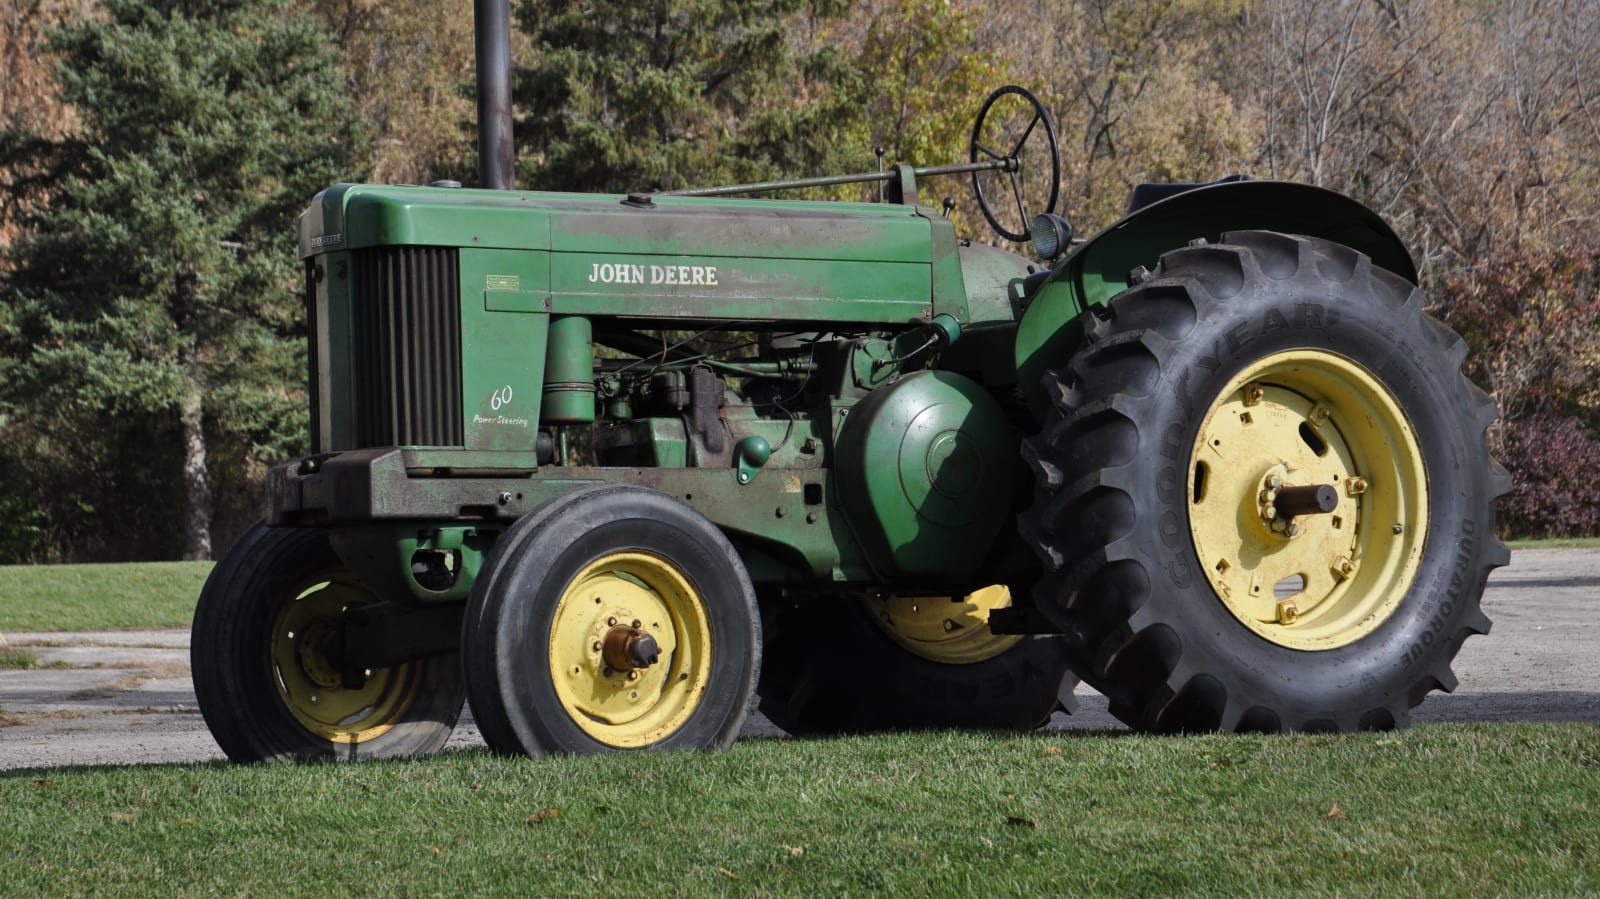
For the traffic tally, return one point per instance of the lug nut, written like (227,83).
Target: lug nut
(1343,568)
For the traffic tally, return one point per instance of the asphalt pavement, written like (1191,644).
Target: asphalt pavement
(125,697)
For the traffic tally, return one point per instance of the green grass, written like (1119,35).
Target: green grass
(1440,810)
(162,594)
(17,659)
(1556,543)
(99,597)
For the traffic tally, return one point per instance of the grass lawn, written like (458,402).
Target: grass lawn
(162,594)
(1438,810)
(1556,543)
(99,597)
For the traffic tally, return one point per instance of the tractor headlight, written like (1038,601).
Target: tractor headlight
(1051,235)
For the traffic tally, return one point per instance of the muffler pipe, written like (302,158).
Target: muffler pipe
(497,152)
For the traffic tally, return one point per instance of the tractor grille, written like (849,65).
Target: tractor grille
(314,325)
(406,323)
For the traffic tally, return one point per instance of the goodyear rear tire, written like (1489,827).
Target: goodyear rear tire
(1264,499)
(265,667)
(861,665)
(611,618)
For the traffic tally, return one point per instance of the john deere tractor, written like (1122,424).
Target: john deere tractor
(615,468)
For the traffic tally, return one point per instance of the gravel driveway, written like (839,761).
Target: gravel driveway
(123,698)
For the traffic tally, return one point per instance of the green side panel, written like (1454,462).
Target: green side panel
(992,280)
(1098,271)
(949,288)
(721,287)
(503,346)
(683,258)
(926,469)
(741,229)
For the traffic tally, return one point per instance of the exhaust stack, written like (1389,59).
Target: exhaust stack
(497,153)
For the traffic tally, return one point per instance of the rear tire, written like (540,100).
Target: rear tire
(1265,357)
(859,666)
(264,677)
(583,577)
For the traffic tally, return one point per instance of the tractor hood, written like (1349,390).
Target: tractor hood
(662,257)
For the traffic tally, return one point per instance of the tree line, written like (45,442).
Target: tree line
(153,156)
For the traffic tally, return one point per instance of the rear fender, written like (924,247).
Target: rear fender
(1050,330)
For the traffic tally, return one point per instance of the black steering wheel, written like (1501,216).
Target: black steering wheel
(1008,120)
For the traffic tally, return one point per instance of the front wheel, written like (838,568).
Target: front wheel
(268,676)
(611,618)
(1264,495)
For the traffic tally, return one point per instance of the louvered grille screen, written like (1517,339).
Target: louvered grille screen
(407,324)
(313,324)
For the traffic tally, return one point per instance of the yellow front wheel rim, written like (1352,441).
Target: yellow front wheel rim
(942,629)
(1298,419)
(632,707)
(310,681)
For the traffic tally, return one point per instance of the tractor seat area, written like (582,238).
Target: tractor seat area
(1150,193)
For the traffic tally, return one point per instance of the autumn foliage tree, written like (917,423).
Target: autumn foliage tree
(619,95)
(149,312)
(1472,127)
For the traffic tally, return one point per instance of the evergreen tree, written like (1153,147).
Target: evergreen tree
(148,312)
(659,95)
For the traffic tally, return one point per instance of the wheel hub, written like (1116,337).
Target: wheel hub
(627,648)
(630,649)
(1308,499)
(949,630)
(337,705)
(1279,503)
(312,651)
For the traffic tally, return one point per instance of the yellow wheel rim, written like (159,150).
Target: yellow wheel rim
(311,683)
(937,628)
(1295,420)
(643,705)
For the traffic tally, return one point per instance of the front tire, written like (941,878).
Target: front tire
(1234,379)
(556,629)
(265,662)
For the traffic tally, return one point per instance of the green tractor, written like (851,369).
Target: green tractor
(615,468)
